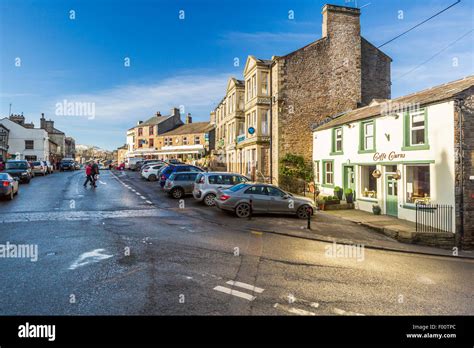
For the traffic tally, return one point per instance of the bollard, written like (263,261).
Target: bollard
(251,210)
(309,217)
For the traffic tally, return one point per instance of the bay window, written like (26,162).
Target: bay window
(418,184)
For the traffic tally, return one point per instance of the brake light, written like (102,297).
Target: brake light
(224,197)
(146,171)
(6,184)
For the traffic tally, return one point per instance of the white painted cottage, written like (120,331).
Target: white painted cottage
(29,143)
(396,153)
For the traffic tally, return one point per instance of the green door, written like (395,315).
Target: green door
(349,179)
(391,197)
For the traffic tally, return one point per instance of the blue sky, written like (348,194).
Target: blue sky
(186,62)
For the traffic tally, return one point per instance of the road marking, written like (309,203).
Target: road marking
(257,233)
(235,293)
(142,197)
(89,257)
(293,310)
(343,312)
(138,193)
(149,202)
(246,286)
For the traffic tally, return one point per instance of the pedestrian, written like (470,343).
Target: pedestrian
(2,166)
(89,175)
(95,173)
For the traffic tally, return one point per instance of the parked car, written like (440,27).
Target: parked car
(77,166)
(66,164)
(176,168)
(38,168)
(130,163)
(180,184)
(20,169)
(207,185)
(49,167)
(150,172)
(141,164)
(246,198)
(174,161)
(8,186)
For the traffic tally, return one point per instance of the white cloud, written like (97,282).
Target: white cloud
(131,103)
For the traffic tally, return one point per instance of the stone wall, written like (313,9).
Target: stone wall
(376,83)
(465,191)
(323,79)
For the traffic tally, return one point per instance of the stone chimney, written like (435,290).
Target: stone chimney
(139,123)
(20,119)
(175,112)
(42,121)
(188,119)
(158,114)
(340,20)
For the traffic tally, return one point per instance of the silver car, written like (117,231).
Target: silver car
(248,198)
(207,185)
(38,168)
(180,184)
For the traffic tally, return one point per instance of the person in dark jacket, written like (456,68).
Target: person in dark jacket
(95,173)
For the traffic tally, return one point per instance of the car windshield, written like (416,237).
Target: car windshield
(238,187)
(16,165)
(4,176)
(37,163)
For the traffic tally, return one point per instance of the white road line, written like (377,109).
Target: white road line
(137,193)
(95,255)
(343,312)
(142,197)
(149,202)
(246,286)
(293,310)
(235,293)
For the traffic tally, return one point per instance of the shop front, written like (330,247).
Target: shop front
(392,161)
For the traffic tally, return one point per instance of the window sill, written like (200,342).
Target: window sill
(327,185)
(366,199)
(366,151)
(409,206)
(336,153)
(415,147)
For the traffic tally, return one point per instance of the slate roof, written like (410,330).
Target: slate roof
(190,128)
(428,96)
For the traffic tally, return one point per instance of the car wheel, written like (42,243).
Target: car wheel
(242,210)
(152,177)
(304,211)
(177,193)
(210,199)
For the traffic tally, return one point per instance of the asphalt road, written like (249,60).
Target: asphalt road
(126,248)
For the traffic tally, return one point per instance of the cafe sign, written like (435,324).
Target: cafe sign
(382,156)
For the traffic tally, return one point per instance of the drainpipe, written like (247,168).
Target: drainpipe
(271,126)
(459,103)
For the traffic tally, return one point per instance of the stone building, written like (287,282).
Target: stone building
(70,147)
(4,133)
(284,96)
(55,135)
(166,137)
(145,133)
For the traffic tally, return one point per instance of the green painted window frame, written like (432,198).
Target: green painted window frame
(362,148)
(333,142)
(317,179)
(324,183)
(407,133)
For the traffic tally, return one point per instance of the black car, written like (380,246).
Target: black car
(67,165)
(176,168)
(8,186)
(20,169)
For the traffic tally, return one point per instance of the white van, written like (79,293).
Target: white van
(131,162)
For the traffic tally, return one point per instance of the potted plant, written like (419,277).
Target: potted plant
(321,202)
(338,192)
(349,195)
(376,209)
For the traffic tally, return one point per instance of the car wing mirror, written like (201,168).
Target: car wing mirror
(286,196)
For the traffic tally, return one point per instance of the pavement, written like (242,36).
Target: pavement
(126,248)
